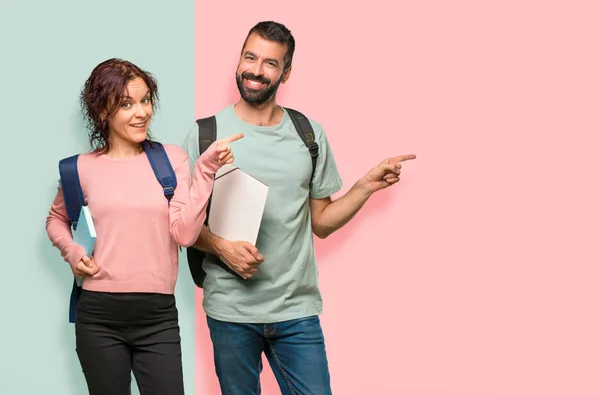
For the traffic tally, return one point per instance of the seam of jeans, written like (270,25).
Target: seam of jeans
(259,370)
(285,376)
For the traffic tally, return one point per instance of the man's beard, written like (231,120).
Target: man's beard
(254,96)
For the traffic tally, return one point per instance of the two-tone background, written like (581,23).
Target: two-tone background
(476,275)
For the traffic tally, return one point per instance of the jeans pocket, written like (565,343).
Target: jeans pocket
(232,334)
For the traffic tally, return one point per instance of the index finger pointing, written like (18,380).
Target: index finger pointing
(233,138)
(402,158)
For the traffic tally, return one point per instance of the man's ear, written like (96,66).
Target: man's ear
(286,75)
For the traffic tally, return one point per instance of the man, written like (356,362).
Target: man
(274,303)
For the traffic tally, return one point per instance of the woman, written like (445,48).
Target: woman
(126,315)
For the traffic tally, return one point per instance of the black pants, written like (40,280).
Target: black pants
(117,333)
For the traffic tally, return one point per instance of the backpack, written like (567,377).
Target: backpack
(207,134)
(69,181)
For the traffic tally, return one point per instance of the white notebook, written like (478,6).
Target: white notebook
(237,205)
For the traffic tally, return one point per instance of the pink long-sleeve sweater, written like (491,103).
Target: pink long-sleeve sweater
(138,232)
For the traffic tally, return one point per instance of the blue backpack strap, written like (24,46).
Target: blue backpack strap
(69,182)
(162,167)
(74,299)
(73,196)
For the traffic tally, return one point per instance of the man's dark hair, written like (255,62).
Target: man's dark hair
(277,32)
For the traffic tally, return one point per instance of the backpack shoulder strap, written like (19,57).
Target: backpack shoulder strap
(69,182)
(73,195)
(207,132)
(307,134)
(157,156)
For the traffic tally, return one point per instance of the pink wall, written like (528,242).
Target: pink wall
(476,275)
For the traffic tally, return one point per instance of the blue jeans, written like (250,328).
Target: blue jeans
(295,350)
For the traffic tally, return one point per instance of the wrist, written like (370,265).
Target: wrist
(364,187)
(220,245)
(209,160)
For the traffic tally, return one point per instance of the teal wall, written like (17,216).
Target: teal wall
(48,49)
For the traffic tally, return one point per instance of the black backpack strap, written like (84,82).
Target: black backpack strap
(207,132)
(307,134)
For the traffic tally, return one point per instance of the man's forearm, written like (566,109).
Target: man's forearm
(339,212)
(209,242)
(241,256)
